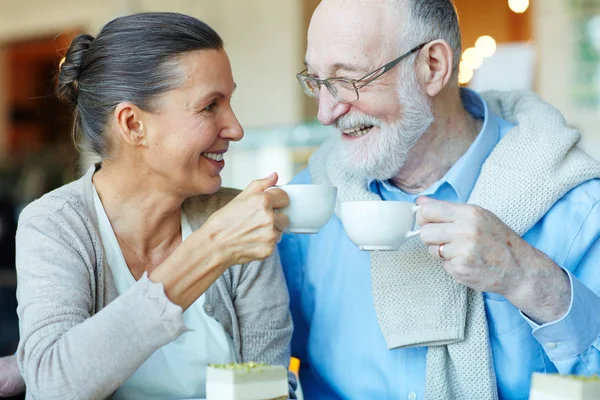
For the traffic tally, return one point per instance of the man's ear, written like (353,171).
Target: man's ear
(130,124)
(435,66)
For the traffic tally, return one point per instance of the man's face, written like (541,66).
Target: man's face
(349,39)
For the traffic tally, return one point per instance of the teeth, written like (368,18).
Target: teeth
(358,131)
(213,156)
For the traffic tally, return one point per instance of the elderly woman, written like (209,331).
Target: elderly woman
(136,276)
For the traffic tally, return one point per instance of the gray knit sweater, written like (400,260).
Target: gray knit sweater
(80,341)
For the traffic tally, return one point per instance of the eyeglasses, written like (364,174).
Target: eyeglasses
(345,90)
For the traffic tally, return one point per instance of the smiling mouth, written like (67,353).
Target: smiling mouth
(213,156)
(358,131)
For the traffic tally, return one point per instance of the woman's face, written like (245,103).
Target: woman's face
(190,130)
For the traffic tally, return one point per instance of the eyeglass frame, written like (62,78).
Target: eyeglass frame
(368,78)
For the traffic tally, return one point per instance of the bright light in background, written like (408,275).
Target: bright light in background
(465,73)
(62,61)
(472,58)
(518,6)
(593,31)
(486,46)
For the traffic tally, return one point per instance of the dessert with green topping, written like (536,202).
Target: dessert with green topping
(246,381)
(248,365)
(593,378)
(564,387)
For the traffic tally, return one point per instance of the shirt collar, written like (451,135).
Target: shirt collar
(459,181)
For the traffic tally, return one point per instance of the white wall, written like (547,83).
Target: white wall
(555,43)
(264,41)
(22,19)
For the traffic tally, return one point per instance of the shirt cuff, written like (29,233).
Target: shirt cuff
(577,330)
(170,314)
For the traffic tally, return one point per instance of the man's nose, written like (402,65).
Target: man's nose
(330,109)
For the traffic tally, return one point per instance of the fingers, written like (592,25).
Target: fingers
(445,253)
(434,234)
(281,222)
(260,185)
(278,198)
(434,211)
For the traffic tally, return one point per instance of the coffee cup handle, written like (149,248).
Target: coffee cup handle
(417,232)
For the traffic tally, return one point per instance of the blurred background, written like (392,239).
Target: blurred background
(549,46)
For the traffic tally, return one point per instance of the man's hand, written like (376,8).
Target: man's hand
(483,253)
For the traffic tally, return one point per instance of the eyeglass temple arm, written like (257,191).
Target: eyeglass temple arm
(370,77)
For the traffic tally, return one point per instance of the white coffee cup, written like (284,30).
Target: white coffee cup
(379,225)
(310,208)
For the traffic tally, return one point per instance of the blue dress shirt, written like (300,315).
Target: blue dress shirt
(343,353)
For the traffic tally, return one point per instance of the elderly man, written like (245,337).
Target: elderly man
(505,278)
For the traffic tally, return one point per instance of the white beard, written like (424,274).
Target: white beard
(380,155)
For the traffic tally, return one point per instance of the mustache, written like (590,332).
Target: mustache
(346,122)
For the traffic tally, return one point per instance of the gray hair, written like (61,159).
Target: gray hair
(429,20)
(134,58)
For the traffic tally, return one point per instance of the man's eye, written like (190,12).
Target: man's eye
(211,107)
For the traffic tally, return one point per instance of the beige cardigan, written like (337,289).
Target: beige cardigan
(80,341)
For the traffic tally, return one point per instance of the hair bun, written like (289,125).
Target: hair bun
(71,66)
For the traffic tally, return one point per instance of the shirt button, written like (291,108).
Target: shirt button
(551,345)
(208,308)
(412,396)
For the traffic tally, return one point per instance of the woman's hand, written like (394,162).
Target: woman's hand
(11,382)
(246,229)
(249,227)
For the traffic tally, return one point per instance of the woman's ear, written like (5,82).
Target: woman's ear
(130,124)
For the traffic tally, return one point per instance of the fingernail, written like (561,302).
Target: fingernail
(422,200)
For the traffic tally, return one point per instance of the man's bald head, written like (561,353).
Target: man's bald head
(381,28)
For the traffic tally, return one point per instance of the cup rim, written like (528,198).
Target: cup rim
(390,202)
(306,185)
